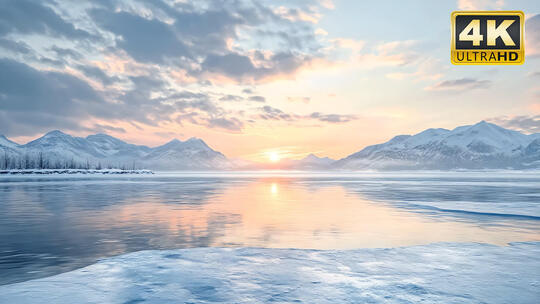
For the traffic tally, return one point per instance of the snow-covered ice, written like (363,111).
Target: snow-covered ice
(71,171)
(436,273)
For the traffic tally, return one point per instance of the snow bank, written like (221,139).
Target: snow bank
(436,273)
(73,171)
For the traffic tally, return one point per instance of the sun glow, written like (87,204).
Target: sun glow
(273,157)
(274,188)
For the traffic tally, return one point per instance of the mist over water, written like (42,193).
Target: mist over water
(52,224)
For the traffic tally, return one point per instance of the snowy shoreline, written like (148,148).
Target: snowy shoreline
(72,171)
(435,273)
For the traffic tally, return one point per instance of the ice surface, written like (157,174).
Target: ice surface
(497,193)
(506,209)
(436,273)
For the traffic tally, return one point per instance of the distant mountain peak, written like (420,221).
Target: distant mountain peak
(55,133)
(491,127)
(197,142)
(313,157)
(4,141)
(310,162)
(194,139)
(399,138)
(100,135)
(190,144)
(484,124)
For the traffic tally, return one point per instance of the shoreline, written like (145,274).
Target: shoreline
(72,171)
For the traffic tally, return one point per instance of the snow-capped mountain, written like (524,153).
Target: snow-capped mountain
(113,147)
(480,146)
(58,145)
(6,143)
(58,148)
(311,162)
(8,149)
(193,153)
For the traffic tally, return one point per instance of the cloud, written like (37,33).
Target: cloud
(232,65)
(471,5)
(271,113)
(397,45)
(100,128)
(532,37)
(523,123)
(299,99)
(32,101)
(241,68)
(230,97)
(231,124)
(188,117)
(332,118)
(321,32)
(18,47)
(294,14)
(398,53)
(257,98)
(146,40)
(63,53)
(393,53)
(98,74)
(460,84)
(32,17)
(199,38)
(25,89)
(427,69)
(352,45)
(133,61)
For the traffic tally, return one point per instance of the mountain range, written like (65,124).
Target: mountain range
(480,146)
(61,150)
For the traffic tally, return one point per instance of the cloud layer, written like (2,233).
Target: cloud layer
(67,65)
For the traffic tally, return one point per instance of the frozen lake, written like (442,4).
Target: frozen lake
(54,224)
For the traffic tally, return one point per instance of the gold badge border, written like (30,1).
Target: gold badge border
(494,13)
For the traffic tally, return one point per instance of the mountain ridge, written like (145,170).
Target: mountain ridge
(96,150)
(479,146)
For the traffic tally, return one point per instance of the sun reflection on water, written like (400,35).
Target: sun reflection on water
(274,188)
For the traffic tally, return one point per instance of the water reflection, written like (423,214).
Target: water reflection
(274,189)
(50,225)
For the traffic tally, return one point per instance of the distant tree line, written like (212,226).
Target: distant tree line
(41,161)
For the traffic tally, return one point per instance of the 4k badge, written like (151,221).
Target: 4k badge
(487,37)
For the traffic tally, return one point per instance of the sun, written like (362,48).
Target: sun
(274,157)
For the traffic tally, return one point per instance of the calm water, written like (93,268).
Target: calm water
(54,224)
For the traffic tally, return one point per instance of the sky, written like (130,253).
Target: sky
(254,78)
